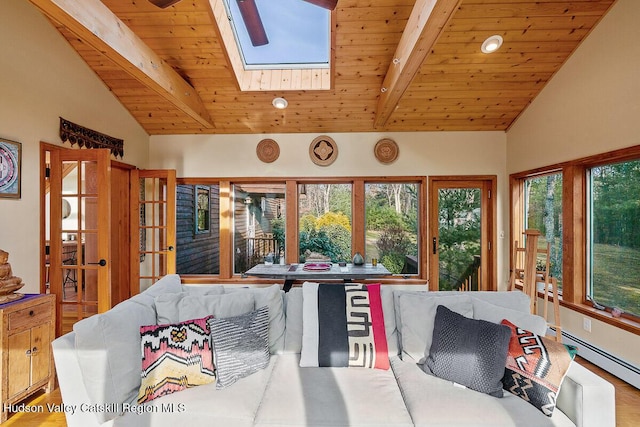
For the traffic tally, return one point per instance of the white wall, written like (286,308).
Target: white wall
(421,154)
(41,79)
(590,106)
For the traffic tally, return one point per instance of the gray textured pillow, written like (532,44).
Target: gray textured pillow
(241,345)
(469,352)
(417,315)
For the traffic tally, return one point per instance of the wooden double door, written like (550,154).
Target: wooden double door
(107,231)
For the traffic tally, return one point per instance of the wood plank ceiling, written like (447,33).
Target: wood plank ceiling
(455,86)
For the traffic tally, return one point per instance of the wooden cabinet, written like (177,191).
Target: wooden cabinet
(27,327)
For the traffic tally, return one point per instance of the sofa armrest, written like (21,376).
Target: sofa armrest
(587,399)
(72,389)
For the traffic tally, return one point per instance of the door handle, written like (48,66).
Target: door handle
(101,263)
(169,249)
(434,246)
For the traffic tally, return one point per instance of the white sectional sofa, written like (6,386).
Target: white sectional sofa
(98,367)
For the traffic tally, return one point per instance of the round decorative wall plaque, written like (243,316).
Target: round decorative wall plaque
(323,151)
(386,150)
(268,150)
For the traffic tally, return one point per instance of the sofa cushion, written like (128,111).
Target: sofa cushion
(536,367)
(272,297)
(293,318)
(432,401)
(417,312)
(331,397)
(343,326)
(175,308)
(203,289)
(240,344)
(494,313)
(108,348)
(515,300)
(468,352)
(204,405)
(175,357)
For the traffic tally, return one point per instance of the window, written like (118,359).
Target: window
(543,212)
(324,215)
(293,220)
(614,235)
(296,34)
(588,209)
(391,234)
(259,224)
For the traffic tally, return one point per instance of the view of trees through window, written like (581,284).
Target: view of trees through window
(459,233)
(324,212)
(615,235)
(543,212)
(391,212)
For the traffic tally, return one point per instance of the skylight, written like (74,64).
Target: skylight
(298,34)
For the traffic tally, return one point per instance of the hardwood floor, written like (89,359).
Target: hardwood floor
(627,405)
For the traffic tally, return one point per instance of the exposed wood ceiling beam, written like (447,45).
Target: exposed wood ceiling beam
(96,25)
(427,21)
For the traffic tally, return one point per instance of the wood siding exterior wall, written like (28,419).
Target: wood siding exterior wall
(197,253)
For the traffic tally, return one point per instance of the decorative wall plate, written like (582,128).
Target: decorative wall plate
(323,151)
(386,150)
(268,150)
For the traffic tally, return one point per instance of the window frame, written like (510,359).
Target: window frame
(575,231)
(226,231)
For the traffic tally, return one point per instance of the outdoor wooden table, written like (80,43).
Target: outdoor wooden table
(292,272)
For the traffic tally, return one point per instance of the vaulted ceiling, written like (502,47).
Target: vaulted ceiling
(171,70)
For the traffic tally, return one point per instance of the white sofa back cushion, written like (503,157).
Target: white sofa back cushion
(108,347)
(180,307)
(417,313)
(483,310)
(271,296)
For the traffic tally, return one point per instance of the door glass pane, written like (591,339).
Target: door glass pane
(324,222)
(391,212)
(153,230)
(259,213)
(198,229)
(70,177)
(79,241)
(459,235)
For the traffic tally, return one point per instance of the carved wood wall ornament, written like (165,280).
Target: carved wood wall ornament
(88,138)
(323,151)
(386,150)
(268,150)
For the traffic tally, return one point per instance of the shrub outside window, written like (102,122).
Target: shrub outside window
(391,235)
(324,222)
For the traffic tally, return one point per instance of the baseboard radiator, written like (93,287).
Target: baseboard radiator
(622,369)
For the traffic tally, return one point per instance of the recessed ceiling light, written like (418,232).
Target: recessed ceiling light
(280,103)
(491,44)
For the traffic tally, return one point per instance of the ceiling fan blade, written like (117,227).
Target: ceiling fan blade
(164,3)
(325,4)
(252,21)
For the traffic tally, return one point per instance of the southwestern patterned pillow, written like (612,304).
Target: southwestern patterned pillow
(175,357)
(536,367)
(343,326)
